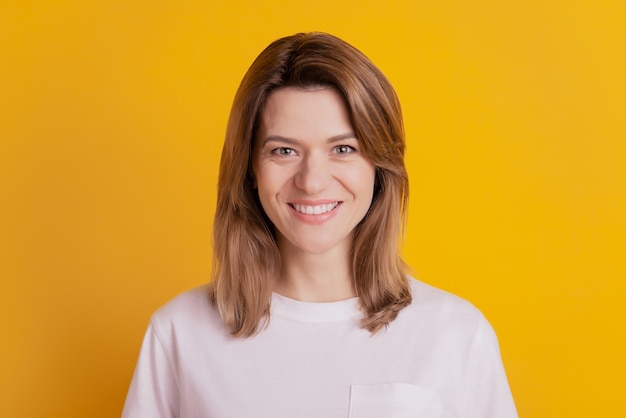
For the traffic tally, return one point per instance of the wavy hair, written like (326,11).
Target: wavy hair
(246,260)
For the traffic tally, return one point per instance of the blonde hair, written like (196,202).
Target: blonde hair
(246,260)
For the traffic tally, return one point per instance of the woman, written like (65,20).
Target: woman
(310,312)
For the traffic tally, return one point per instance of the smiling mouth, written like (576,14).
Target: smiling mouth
(314,209)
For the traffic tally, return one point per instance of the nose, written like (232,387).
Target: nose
(314,174)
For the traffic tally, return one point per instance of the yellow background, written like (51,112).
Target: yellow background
(112,115)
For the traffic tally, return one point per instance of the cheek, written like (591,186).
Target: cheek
(269,185)
(263,179)
(364,179)
(271,177)
(371,186)
(361,184)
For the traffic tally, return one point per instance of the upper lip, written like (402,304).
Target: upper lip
(313,202)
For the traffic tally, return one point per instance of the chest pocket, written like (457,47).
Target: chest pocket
(393,400)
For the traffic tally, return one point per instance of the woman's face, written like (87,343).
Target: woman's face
(314,183)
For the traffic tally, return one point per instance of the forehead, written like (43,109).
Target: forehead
(296,111)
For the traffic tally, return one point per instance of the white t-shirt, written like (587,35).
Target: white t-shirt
(438,358)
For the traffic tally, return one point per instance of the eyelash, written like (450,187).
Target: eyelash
(280,151)
(348,149)
(287,151)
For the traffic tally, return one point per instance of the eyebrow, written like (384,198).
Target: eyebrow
(292,141)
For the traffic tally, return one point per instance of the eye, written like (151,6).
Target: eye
(283,151)
(344,149)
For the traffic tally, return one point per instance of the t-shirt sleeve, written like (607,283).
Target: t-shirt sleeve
(490,395)
(153,391)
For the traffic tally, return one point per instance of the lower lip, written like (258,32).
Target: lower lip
(315,219)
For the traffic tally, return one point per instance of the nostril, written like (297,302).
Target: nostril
(314,176)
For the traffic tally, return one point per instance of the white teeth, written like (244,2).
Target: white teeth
(315,210)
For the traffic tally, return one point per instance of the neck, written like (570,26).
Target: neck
(325,277)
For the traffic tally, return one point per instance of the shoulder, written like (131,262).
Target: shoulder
(189,311)
(440,307)
(426,295)
(189,302)
(440,322)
